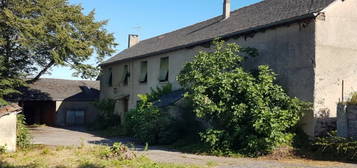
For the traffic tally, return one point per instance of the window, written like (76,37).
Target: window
(164,69)
(143,72)
(126,75)
(110,80)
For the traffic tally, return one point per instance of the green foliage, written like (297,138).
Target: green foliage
(353,99)
(37,35)
(45,33)
(2,149)
(8,86)
(106,119)
(155,94)
(337,147)
(247,112)
(149,124)
(23,137)
(118,151)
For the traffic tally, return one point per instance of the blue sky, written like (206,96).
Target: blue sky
(147,18)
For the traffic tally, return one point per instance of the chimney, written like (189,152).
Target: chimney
(227,9)
(133,40)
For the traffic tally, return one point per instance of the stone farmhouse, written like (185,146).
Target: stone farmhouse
(310,44)
(58,102)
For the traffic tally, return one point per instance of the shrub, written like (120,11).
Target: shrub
(2,149)
(119,151)
(106,118)
(23,137)
(353,99)
(337,147)
(148,124)
(246,111)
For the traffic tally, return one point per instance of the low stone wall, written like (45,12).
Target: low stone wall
(347,120)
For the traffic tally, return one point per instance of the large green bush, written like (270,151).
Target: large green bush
(247,112)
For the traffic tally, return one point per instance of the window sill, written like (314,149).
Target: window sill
(164,82)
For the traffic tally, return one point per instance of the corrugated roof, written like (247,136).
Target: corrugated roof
(257,16)
(60,89)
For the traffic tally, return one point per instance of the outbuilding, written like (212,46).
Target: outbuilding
(8,126)
(58,102)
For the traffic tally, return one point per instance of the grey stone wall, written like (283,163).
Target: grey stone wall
(347,120)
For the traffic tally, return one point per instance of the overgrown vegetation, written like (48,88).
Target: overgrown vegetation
(246,112)
(118,151)
(23,137)
(39,156)
(3,149)
(106,118)
(353,99)
(147,123)
(336,147)
(107,123)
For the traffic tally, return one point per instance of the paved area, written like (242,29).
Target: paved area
(224,162)
(78,136)
(73,136)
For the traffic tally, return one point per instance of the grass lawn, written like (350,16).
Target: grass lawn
(39,156)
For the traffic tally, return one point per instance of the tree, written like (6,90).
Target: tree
(36,35)
(246,111)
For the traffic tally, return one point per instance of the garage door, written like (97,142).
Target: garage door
(75,117)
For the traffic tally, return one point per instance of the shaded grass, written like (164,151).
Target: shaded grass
(40,156)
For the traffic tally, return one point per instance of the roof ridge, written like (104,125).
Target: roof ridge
(260,15)
(194,24)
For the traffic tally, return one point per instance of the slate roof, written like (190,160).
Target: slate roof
(258,16)
(12,108)
(170,99)
(59,90)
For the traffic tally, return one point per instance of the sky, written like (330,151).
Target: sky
(147,18)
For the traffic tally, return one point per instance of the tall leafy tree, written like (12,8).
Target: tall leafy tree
(36,35)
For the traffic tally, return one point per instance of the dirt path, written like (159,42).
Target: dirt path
(78,136)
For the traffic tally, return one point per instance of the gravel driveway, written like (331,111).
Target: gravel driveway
(77,136)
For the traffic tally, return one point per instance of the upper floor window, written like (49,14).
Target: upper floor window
(110,79)
(126,75)
(143,72)
(164,69)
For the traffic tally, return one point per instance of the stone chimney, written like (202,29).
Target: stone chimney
(133,40)
(226,9)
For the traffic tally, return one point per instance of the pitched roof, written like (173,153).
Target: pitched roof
(12,108)
(59,89)
(261,15)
